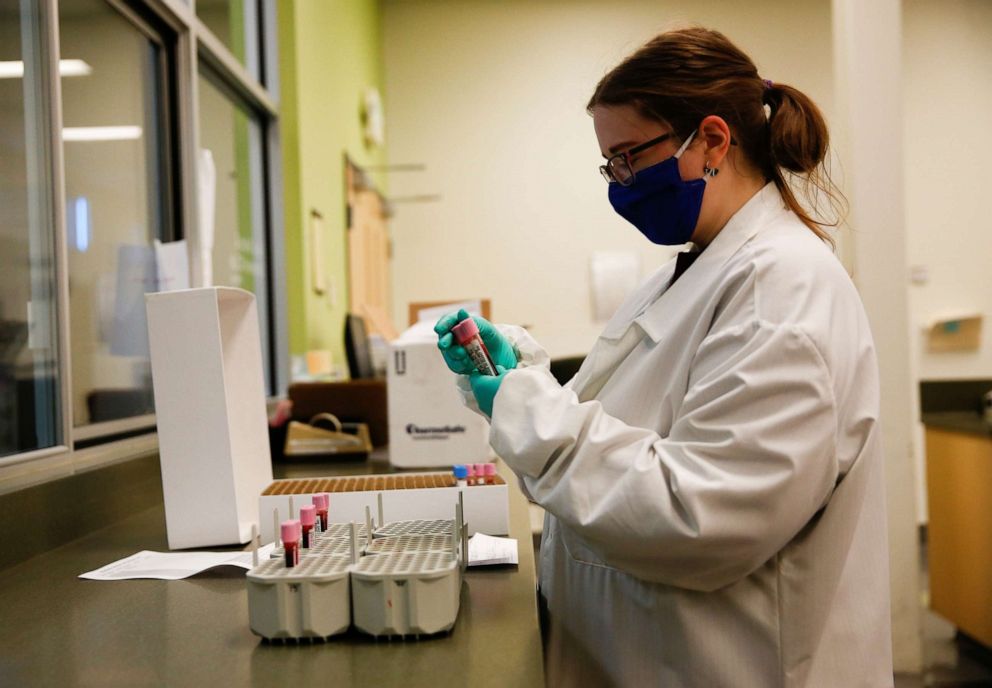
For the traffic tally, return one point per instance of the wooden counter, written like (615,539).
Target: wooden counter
(959,489)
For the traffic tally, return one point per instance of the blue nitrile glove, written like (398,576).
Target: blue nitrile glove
(484,387)
(455,355)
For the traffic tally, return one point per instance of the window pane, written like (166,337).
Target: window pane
(232,136)
(29,410)
(116,205)
(235,23)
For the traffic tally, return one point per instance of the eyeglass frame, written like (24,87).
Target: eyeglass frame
(640,148)
(607,172)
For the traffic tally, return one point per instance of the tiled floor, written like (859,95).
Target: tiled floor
(949,661)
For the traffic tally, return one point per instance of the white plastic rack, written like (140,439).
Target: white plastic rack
(409,543)
(409,586)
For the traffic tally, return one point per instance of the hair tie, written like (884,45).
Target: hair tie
(768,83)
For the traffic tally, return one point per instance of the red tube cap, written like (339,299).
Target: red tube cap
(289,531)
(308,515)
(465,330)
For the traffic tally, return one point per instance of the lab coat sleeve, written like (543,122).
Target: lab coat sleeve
(530,354)
(749,460)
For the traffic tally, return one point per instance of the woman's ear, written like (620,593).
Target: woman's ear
(714,134)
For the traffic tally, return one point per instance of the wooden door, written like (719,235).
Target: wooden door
(369,254)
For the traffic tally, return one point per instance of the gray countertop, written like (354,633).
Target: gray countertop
(56,629)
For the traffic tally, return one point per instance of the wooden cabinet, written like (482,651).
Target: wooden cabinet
(959,487)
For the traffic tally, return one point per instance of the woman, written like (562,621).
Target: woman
(713,473)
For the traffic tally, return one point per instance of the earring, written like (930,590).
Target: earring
(709,171)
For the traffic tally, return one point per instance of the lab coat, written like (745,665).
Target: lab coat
(713,475)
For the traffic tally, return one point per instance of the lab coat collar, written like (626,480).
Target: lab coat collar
(752,217)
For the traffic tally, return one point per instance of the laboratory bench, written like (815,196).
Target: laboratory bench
(56,629)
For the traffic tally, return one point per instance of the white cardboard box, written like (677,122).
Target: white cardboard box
(429,426)
(210,408)
(486,506)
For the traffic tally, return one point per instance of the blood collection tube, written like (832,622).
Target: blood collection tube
(469,474)
(461,474)
(290,531)
(490,471)
(480,472)
(308,518)
(323,503)
(466,333)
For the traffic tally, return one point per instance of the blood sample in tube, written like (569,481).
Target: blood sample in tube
(466,333)
(320,502)
(490,471)
(308,518)
(289,530)
(480,472)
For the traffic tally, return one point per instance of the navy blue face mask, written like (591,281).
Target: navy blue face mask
(659,203)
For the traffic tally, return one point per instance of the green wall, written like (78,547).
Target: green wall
(330,51)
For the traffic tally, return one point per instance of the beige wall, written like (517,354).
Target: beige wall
(491,97)
(948,91)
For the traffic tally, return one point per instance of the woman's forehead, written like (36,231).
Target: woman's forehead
(620,126)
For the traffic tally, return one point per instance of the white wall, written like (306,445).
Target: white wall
(947,63)
(948,97)
(868,69)
(491,97)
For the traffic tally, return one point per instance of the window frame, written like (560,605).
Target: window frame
(189,42)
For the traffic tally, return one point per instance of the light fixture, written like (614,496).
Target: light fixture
(124,133)
(14,69)
(80,222)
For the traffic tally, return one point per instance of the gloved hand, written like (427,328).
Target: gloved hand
(484,387)
(455,355)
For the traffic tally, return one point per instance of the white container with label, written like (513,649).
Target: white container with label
(429,426)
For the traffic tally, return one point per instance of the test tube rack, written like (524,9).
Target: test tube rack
(408,584)
(407,496)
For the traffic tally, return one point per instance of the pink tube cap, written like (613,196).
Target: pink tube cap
(308,515)
(289,531)
(465,330)
(480,470)
(490,469)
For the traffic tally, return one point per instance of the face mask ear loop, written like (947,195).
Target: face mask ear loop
(681,150)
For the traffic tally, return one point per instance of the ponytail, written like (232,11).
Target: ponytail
(798,141)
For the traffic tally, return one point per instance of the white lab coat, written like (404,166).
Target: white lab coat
(713,475)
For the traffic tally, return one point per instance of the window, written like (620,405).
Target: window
(29,362)
(106,109)
(117,205)
(235,23)
(231,136)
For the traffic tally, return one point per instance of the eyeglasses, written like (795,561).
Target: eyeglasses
(617,168)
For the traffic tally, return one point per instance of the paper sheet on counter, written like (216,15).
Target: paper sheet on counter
(173,565)
(486,550)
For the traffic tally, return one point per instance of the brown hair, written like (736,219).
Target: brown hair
(682,76)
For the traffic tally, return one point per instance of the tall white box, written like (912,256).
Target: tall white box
(210,408)
(429,426)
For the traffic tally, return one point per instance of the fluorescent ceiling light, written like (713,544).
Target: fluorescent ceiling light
(126,133)
(15,69)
